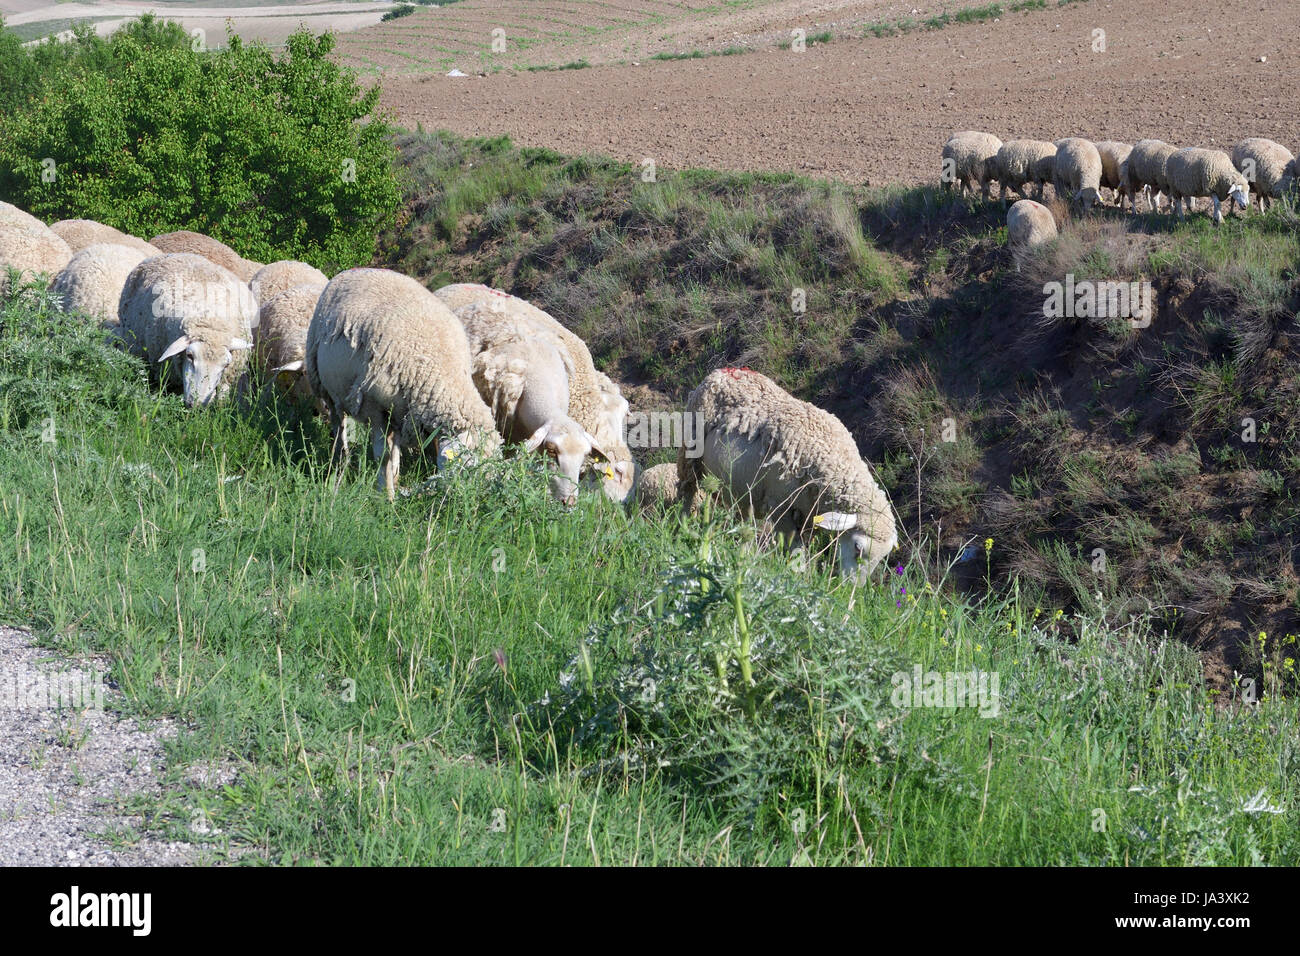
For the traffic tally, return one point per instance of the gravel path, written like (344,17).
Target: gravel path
(65,775)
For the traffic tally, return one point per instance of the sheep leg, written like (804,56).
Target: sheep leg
(339,450)
(391,463)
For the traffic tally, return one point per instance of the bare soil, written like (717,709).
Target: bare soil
(857,108)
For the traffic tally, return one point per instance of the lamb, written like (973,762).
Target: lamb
(1023,161)
(791,463)
(1076,171)
(1269,167)
(182,304)
(523,373)
(280,337)
(968,158)
(273,278)
(594,400)
(80,233)
(382,349)
(209,248)
(656,487)
(1029,224)
(1206,172)
(31,249)
(1113,155)
(93,280)
(1144,172)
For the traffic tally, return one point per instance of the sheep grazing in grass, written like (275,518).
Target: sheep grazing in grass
(1029,224)
(12,215)
(273,278)
(524,376)
(179,304)
(656,487)
(1076,171)
(211,249)
(31,249)
(80,233)
(1020,162)
(968,159)
(790,463)
(1112,156)
(1143,172)
(1269,167)
(1205,172)
(92,281)
(383,349)
(594,400)
(280,337)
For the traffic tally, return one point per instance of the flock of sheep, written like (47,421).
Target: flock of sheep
(1079,169)
(467,371)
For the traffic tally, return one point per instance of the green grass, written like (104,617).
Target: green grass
(474,676)
(977,14)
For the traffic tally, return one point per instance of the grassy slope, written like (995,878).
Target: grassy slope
(206,555)
(1065,439)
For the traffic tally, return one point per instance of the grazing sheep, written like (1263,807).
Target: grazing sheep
(1023,161)
(31,249)
(790,463)
(656,487)
(1205,172)
(209,248)
(280,337)
(1076,171)
(383,349)
(14,216)
(594,400)
(1113,155)
(523,372)
(968,158)
(183,304)
(273,278)
(93,279)
(80,233)
(1029,224)
(1269,167)
(1144,172)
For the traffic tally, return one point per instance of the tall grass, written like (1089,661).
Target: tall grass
(474,675)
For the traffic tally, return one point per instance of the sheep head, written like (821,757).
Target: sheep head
(203,367)
(857,555)
(569,444)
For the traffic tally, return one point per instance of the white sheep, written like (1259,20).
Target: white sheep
(93,279)
(11,214)
(1269,167)
(1205,172)
(1023,161)
(80,233)
(594,400)
(280,337)
(179,304)
(968,158)
(211,249)
(383,349)
(1143,171)
(1029,224)
(791,463)
(31,249)
(1113,155)
(1076,171)
(274,277)
(656,487)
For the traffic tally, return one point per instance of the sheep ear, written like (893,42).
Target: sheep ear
(180,345)
(596,451)
(537,437)
(835,521)
(291,367)
(237,344)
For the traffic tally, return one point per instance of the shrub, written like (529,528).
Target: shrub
(279,157)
